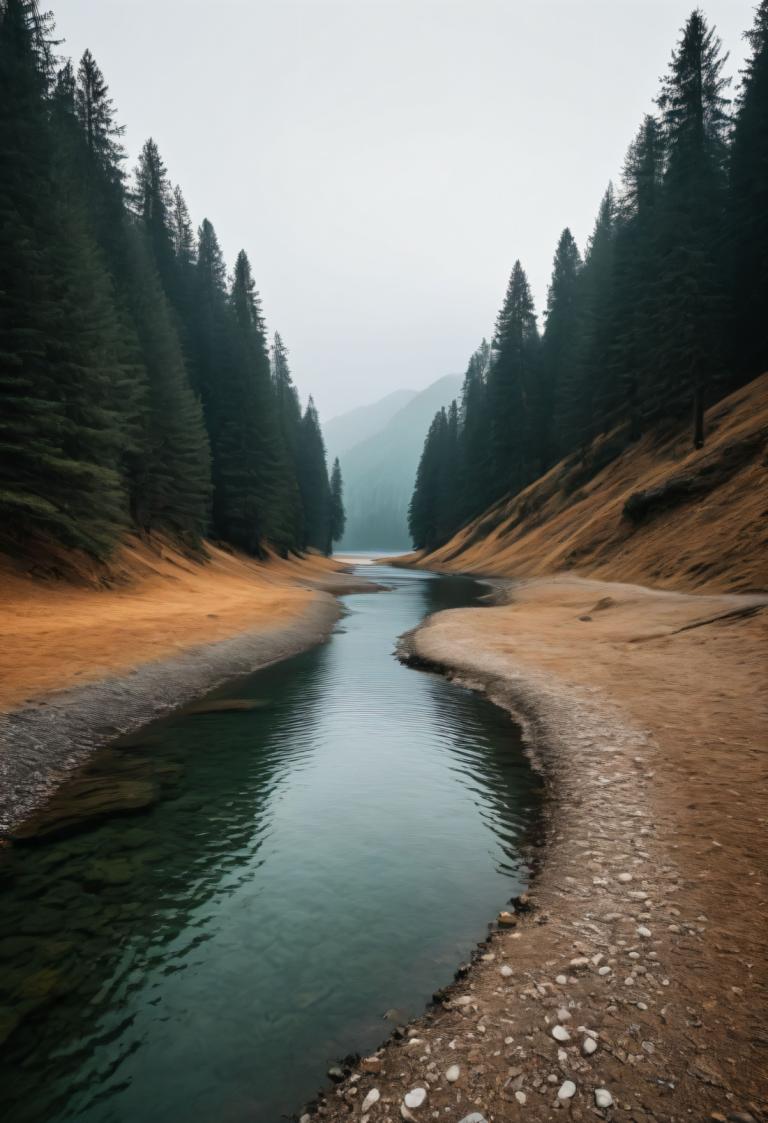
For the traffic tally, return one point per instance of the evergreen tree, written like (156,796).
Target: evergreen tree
(289,424)
(559,351)
(511,383)
(625,386)
(475,484)
(748,206)
(693,311)
(580,416)
(60,435)
(426,504)
(313,483)
(338,517)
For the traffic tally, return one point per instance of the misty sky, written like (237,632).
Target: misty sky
(385,163)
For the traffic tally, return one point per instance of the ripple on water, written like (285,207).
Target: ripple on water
(308,865)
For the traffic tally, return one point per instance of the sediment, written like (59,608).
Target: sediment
(46,739)
(632,983)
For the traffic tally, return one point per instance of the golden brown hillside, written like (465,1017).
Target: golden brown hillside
(660,514)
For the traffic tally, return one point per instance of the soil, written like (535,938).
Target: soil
(657,512)
(646,930)
(81,663)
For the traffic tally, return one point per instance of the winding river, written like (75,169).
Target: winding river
(322,856)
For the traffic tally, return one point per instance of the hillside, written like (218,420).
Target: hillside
(346,430)
(379,472)
(151,602)
(660,513)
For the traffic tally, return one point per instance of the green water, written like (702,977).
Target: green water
(311,864)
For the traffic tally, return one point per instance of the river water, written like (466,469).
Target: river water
(314,863)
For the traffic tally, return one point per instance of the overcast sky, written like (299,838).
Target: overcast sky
(384,163)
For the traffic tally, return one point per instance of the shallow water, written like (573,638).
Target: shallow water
(311,864)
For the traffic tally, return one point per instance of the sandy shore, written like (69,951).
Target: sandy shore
(646,712)
(80,665)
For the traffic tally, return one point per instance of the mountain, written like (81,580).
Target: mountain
(379,471)
(348,429)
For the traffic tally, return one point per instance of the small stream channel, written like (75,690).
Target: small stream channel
(321,856)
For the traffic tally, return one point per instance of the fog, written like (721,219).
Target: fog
(385,163)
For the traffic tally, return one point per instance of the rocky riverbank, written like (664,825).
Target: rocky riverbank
(143,649)
(632,984)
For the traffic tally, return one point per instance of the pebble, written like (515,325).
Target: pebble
(520,1097)
(371,1064)
(372,1098)
(580,963)
(644,932)
(567,1090)
(475,1117)
(588,1046)
(506,972)
(415,1098)
(625,877)
(604,970)
(561,980)
(603,1097)
(452,1074)
(563,1015)
(560,1033)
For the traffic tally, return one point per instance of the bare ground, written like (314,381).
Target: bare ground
(81,663)
(646,712)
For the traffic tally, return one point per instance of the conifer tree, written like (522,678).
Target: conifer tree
(313,483)
(289,424)
(511,383)
(748,206)
(338,517)
(693,313)
(476,490)
(426,507)
(60,434)
(559,349)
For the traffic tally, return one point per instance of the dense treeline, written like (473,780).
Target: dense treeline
(667,311)
(136,384)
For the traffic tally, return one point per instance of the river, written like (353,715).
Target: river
(317,864)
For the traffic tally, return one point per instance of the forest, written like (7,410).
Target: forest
(138,389)
(664,314)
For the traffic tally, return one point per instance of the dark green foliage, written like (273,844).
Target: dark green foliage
(60,431)
(692,313)
(560,350)
(338,517)
(748,208)
(289,424)
(512,385)
(666,312)
(313,484)
(113,326)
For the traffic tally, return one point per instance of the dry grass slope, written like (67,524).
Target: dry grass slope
(661,513)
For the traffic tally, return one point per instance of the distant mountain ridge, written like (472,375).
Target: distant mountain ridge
(380,469)
(346,430)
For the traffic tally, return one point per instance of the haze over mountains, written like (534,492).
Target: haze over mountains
(379,448)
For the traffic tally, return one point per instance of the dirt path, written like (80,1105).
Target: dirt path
(646,712)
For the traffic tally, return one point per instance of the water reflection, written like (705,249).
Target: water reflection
(308,865)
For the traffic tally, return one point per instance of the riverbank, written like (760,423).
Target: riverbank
(645,711)
(82,663)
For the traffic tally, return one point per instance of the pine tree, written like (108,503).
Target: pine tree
(289,424)
(424,512)
(693,313)
(475,483)
(748,206)
(559,350)
(626,385)
(338,517)
(511,382)
(60,436)
(313,483)
(580,413)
